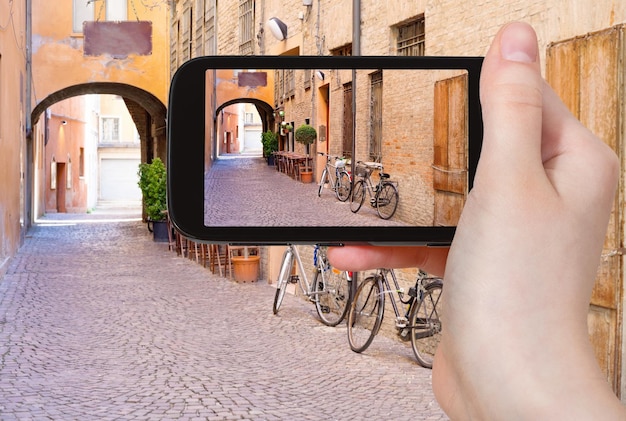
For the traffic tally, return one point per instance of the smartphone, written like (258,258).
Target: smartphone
(413,122)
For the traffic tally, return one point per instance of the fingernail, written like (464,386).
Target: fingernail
(518,42)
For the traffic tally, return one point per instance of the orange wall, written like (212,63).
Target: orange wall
(58,59)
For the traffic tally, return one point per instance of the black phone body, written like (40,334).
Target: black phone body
(420,117)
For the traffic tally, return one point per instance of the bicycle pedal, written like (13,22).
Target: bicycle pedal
(404,334)
(325,309)
(293,279)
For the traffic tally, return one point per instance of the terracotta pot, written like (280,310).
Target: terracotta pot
(246,269)
(306,176)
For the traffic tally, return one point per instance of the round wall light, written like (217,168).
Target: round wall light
(278,28)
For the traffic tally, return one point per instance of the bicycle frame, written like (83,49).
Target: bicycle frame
(302,277)
(387,290)
(332,171)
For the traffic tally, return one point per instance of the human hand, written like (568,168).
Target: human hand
(519,273)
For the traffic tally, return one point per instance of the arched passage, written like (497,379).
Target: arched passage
(148,114)
(264,110)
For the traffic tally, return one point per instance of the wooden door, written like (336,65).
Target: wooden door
(588,73)
(450,149)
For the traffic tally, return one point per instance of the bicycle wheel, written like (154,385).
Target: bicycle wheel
(425,324)
(323,180)
(387,200)
(332,293)
(358,196)
(366,314)
(343,186)
(283,280)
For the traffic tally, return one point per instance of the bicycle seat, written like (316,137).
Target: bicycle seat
(385,176)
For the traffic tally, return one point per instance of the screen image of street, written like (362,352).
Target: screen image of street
(285,148)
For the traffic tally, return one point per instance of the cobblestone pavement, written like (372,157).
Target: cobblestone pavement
(258,195)
(99,322)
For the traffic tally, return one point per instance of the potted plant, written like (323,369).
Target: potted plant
(306,135)
(152,182)
(269,139)
(285,128)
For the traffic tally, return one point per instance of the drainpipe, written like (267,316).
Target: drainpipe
(356,51)
(28,167)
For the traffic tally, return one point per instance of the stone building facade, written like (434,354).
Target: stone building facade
(582,50)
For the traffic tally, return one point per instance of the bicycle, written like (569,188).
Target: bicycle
(421,323)
(336,176)
(383,195)
(330,289)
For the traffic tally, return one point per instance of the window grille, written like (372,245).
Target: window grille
(246,27)
(376,116)
(411,38)
(347,131)
(110,129)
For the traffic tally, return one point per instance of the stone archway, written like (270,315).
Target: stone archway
(147,112)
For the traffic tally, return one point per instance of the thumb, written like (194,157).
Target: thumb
(511,98)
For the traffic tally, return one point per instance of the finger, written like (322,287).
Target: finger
(359,258)
(511,98)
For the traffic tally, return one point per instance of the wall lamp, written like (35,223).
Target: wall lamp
(320,75)
(278,28)
(64,122)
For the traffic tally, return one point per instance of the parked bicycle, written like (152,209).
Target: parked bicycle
(383,195)
(421,323)
(330,289)
(336,176)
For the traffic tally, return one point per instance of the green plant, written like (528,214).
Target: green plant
(269,139)
(152,182)
(305,134)
(286,126)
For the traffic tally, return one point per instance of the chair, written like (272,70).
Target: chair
(205,255)
(193,250)
(171,234)
(218,255)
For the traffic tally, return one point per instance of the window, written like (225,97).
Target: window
(116,10)
(186,34)
(110,129)
(111,10)
(345,50)
(348,120)
(209,27)
(376,116)
(290,83)
(246,27)
(411,38)
(83,10)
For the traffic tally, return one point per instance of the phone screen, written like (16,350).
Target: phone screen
(275,150)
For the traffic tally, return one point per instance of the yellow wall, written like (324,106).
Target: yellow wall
(13,82)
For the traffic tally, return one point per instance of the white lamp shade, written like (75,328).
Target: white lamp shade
(278,28)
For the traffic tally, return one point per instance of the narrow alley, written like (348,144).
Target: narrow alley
(97,321)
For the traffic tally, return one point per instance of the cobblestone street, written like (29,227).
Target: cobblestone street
(99,322)
(266,197)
